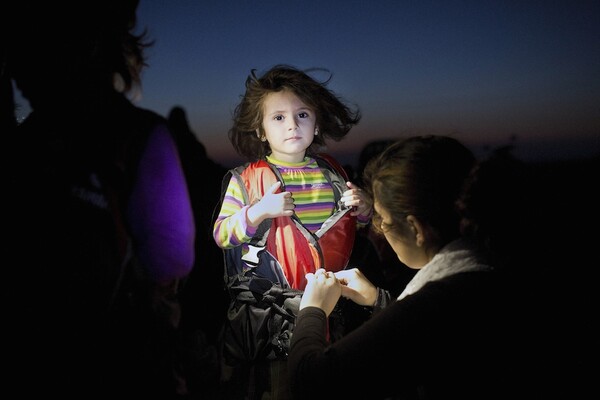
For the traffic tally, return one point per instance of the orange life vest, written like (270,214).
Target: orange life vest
(283,249)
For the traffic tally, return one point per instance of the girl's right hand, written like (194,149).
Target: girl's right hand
(272,205)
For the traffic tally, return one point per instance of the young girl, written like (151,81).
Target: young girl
(275,206)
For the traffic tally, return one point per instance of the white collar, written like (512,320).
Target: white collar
(457,256)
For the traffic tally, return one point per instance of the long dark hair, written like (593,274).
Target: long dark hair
(421,176)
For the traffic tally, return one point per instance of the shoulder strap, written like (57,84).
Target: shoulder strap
(234,172)
(334,173)
(333,164)
(260,237)
(262,232)
(237,174)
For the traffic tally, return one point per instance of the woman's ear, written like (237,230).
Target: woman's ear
(418,229)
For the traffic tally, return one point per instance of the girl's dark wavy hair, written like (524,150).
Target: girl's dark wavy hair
(334,117)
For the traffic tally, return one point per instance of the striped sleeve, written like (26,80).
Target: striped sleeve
(364,220)
(231,228)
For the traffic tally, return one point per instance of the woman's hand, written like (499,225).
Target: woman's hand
(322,290)
(357,287)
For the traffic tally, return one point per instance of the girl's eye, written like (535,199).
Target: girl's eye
(303,115)
(278,117)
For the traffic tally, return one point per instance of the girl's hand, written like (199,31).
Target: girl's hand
(357,198)
(272,205)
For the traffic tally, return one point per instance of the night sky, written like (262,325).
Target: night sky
(490,73)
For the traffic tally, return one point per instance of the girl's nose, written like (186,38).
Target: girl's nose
(293,124)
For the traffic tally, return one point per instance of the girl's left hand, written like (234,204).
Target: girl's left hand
(357,198)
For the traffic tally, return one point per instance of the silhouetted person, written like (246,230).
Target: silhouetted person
(204,298)
(101,224)
(8,121)
(184,136)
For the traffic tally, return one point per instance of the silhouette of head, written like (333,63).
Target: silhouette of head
(65,49)
(185,137)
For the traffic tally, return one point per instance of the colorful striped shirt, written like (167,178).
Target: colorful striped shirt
(312,194)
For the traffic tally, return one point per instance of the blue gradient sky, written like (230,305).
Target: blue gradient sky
(482,71)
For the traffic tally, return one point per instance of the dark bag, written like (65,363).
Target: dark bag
(260,320)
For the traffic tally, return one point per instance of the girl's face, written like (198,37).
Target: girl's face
(289,126)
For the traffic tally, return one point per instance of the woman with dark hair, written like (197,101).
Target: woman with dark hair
(445,335)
